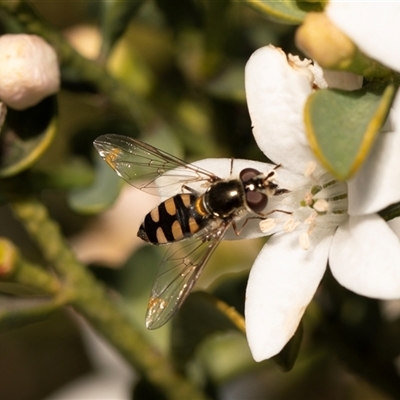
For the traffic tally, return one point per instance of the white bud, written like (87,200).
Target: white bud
(29,70)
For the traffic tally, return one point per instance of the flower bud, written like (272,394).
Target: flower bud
(8,257)
(322,41)
(29,70)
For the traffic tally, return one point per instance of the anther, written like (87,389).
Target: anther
(267,225)
(321,206)
(311,218)
(310,168)
(304,241)
(290,225)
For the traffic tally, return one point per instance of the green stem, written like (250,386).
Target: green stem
(13,317)
(121,96)
(91,300)
(14,268)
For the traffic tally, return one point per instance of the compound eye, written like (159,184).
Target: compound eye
(248,173)
(256,201)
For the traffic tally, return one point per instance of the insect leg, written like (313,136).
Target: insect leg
(261,216)
(278,192)
(239,231)
(189,189)
(231,169)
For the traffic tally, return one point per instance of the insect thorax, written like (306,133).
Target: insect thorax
(224,198)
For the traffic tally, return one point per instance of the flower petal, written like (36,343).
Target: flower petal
(371,25)
(276,94)
(375,186)
(342,80)
(365,257)
(395,226)
(282,282)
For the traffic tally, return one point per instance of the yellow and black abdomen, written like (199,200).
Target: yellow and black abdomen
(175,219)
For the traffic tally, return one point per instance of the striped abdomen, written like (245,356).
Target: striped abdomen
(174,219)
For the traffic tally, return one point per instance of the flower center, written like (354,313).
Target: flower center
(315,209)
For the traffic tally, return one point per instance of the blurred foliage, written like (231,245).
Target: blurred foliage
(174,79)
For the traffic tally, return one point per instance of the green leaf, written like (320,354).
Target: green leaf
(115,17)
(127,65)
(232,290)
(101,194)
(284,11)
(137,275)
(73,174)
(343,125)
(229,84)
(223,358)
(164,138)
(26,135)
(200,316)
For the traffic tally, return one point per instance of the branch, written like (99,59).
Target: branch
(14,268)
(90,299)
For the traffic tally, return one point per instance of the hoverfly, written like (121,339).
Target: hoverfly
(196,219)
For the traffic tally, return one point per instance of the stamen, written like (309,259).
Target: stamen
(304,241)
(308,199)
(329,183)
(311,218)
(339,197)
(290,225)
(321,206)
(267,225)
(310,168)
(316,189)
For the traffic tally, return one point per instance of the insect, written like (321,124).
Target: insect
(193,221)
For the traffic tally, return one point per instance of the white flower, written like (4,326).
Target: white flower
(373,26)
(364,253)
(29,70)
(328,219)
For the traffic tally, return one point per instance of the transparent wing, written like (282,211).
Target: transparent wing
(141,165)
(179,271)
